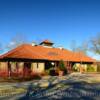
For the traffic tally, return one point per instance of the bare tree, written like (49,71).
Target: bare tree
(83,48)
(17,40)
(95,44)
(79,48)
(73,45)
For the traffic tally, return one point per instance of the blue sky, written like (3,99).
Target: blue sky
(58,20)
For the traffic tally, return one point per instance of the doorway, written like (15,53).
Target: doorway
(27,69)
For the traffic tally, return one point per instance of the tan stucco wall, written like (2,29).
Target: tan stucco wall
(13,66)
(20,66)
(37,67)
(3,66)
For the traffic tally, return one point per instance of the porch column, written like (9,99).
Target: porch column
(24,69)
(9,69)
(66,64)
(69,66)
(55,65)
(17,68)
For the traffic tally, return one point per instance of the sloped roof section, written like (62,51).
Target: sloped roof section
(27,51)
(24,51)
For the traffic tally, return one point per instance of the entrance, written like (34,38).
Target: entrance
(27,69)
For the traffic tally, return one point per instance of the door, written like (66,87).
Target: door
(27,69)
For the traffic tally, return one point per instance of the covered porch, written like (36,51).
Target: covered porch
(11,67)
(21,67)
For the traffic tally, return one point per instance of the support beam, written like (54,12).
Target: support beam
(9,69)
(55,65)
(17,68)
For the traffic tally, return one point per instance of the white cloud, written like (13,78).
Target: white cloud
(12,43)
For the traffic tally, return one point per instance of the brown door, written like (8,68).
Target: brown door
(27,69)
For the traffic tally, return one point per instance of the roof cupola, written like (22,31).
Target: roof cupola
(47,43)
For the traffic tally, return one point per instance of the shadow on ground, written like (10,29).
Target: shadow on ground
(64,91)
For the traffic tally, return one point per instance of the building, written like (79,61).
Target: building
(28,59)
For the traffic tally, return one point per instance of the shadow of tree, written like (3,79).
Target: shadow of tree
(74,91)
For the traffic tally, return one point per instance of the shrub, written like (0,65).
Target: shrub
(90,68)
(36,76)
(62,66)
(75,68)
(52,72)
(98,67)
(48,71)
(65,72)
(32,77)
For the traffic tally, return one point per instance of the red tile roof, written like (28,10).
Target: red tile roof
(27,51)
